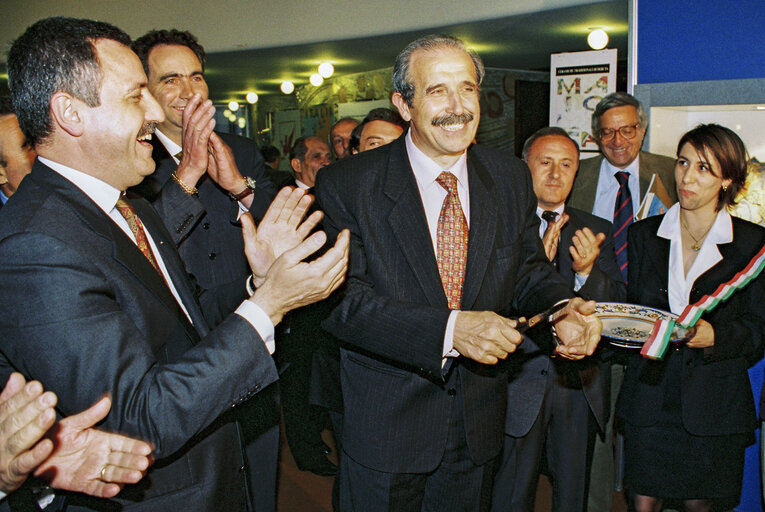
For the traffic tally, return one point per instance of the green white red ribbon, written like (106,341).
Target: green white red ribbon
(658,341)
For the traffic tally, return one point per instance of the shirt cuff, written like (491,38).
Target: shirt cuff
(241,210)
(579,281)
(260,321)
(448,350)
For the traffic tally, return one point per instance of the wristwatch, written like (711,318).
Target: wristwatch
(249,187)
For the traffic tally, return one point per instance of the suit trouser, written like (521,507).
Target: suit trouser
(603,472)
(457,484)
(563,433)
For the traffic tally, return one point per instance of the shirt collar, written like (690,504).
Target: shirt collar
(170,146)
(3,197)
(632,169)
(721,231)
(426,170)
(103,194)
(558,210)
(302,185)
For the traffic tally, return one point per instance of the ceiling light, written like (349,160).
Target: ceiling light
(233,106)
(252,98)
(598,39)
(227,113)
(241,122)
(287,87)
(316,79)
(326,69)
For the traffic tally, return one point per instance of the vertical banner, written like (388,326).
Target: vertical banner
(578,81)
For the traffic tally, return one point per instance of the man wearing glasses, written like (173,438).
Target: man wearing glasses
(612,186)
(619,124)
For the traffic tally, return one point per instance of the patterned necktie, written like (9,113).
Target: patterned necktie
(451,241)
(549,216)
(622,219)
(136,226)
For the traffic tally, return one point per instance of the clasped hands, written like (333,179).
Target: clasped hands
(205,152)
(488,337)
(585,245)
(73,455)
(276,251)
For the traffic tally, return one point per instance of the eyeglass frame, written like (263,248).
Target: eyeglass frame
(613,134)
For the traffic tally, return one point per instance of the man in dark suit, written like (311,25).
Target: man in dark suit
(554,407)
(426,314)
(200,205)
(94,295)
(619,124)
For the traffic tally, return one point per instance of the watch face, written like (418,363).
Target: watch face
(250,183)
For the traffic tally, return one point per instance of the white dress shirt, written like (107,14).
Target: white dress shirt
(105,196)
(608,187)
(680,283)
(432,194)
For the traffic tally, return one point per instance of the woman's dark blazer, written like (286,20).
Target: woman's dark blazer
(716,396)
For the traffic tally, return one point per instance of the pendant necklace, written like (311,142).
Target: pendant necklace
(697,241)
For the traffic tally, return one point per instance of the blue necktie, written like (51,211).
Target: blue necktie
(622,219)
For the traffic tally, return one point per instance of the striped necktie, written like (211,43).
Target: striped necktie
(622,219)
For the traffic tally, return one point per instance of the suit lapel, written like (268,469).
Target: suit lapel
(409,225)
(483,227)
(123,250)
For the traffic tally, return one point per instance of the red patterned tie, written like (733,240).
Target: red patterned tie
(451,241)
(128,212)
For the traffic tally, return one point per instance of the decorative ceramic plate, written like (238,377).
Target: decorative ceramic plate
(630,325)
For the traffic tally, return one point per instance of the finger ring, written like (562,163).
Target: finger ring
(103,472)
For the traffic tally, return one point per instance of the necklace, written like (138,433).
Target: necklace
(697,241)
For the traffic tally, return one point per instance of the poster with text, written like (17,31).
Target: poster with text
(578,81)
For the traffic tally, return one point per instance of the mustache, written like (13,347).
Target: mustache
(449,119)
(147,129)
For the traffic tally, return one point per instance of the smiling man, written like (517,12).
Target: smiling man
(555,407)
(445,249)
(199,200)
(95,297)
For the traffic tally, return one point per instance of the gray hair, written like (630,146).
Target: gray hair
(402,80)
(544,132)
(617,99)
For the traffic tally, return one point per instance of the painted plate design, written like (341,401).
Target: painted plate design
(629,325)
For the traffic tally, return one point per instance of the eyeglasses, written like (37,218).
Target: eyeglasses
(628,132)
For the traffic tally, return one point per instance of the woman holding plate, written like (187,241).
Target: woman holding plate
(689,417)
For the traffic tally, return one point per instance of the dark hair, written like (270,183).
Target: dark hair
(544,132)
(270,153)
(402,80)
(713,140)
(376,114)
(55,54)
(146,43)
(299,149)
(355,142)
(617,99)
(6,107)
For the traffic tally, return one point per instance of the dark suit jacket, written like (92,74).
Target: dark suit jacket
(204,227)
(586,182)
(716,395)
(394,312)
(529,367)
(86,314)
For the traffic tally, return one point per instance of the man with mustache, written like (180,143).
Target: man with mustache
(199,200)
(555,407)
(445,249)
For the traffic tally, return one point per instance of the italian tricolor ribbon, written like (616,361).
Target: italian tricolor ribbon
(658,341)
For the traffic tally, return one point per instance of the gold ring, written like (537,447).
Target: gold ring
(103,470)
